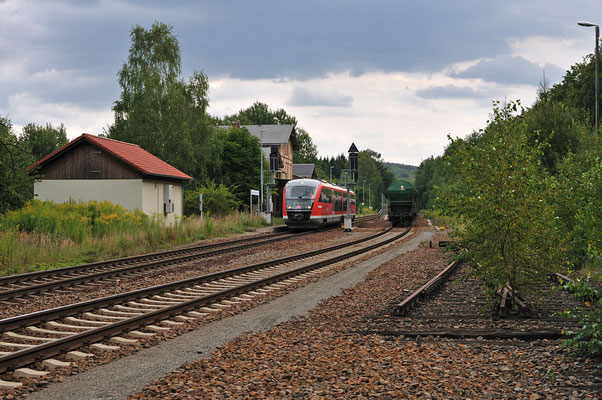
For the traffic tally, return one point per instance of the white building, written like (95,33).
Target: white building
(95,168)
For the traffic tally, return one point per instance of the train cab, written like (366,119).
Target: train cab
(312,203)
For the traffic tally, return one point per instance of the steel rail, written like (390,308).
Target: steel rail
(28,276)
(95,276)
(406,305)
(67,310)
(27,356)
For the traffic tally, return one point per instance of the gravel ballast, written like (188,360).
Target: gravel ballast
(322,355)
(126,376)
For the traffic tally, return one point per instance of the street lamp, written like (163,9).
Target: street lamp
(589,25)
(363,193)
(369,195)
(261,168)
(331,167)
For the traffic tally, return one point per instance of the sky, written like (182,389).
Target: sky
(393,76)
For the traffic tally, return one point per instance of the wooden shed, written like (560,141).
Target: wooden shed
(96,168)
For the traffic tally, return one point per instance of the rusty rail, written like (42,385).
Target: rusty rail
(407,304)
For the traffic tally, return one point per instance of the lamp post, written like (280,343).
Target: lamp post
(363,194)
(331,167)
(589,25)
(261,169)
(369,195)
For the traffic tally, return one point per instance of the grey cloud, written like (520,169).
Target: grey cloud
(299,40)
(302,97)
(510,70)
(448,92)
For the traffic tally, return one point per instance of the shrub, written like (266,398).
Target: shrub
(587,339)
(503,202)
(217,200)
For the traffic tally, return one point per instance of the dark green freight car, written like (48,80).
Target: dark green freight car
(401,197)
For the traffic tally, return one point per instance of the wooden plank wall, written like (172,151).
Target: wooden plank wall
(86,161)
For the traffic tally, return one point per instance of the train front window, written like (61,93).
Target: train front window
(300,196)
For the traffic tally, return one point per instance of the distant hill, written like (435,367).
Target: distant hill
(402,171)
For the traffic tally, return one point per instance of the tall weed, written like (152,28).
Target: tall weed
(45,235)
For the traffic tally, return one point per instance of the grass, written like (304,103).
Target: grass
(440,220)
(44,235)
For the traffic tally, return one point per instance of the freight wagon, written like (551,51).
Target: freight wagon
(401,198)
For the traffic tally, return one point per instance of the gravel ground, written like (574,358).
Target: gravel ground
(321,355)
(128,375)
(185,270)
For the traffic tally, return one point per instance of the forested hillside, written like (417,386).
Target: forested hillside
(402,171)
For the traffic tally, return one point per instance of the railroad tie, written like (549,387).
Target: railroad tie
(197,314)
(104,317)
(171,323)
(209,309)
(241,298)
(13,335)
(29,373)
(54,324)
(120,313)
(159,302)
(52,364)
(35,329)
(10,385)
(103,347)
(132,309)
(16,345)
(183,318)
(141,335)
(122,340)
(157,328)
(77,355)
(86,321)
(148,306)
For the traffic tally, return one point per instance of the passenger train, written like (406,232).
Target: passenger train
(313,203)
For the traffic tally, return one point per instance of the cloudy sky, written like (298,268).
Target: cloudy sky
(393,76)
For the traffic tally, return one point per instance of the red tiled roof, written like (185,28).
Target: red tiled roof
(129,153)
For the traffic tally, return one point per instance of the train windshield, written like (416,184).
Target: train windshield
(300,196)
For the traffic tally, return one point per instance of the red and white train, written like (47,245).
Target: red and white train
(313,203)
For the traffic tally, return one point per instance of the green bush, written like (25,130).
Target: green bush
(504,203)
(217,200)
(587,340)
(74,221)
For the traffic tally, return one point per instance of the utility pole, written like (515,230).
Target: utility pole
(261,169)
(363,194)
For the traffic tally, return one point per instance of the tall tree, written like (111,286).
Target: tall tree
(43,140)
(308,151)
(16,186)
(241,162)
(577,89)
(260,114)
(504,203)
(160,111)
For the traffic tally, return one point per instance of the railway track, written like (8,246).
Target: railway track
(19,286)
(453,306)
(141,313)
(16,287)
